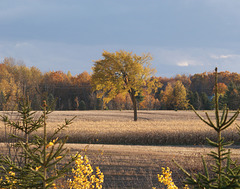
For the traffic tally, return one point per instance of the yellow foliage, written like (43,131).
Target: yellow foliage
(149,102)
(167,97)
(83,175)
(166,179)
(174,97)
(120,72)
(180,96)
(10,180)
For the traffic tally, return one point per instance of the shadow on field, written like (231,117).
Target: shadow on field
(137,166)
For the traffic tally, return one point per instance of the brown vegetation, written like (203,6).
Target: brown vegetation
(136,166)
(153,128)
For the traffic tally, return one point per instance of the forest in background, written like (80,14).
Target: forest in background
(66,92)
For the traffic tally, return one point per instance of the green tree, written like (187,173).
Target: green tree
(196,101)
(76,103)
(190,98)
(139,98)
(121,72)
(82,105)
(51,101)
(41,155)
(224,173)
(99,104)
(206,103)
(232,96)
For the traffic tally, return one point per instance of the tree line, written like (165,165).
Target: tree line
(62,91)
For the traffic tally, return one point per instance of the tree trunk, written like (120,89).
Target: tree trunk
(135,109)
(132,94)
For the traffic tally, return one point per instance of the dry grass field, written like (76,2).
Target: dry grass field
(131,154)
(117,127)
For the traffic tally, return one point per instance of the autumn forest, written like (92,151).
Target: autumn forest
(67,92)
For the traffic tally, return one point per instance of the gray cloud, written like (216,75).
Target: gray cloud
(78,58)
(185,36)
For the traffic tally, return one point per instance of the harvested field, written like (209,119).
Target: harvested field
(136,167)
(127,166)
(158,137)
(152,128)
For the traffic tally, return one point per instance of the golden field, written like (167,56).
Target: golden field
(129,153)
(117,127)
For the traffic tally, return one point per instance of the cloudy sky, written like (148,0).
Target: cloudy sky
(183,36)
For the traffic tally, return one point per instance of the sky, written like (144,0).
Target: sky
(183,36)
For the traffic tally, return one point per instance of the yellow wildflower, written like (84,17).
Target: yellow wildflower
(83,175)
(54,141)
(11,173)
(166,179)
(59,157)
(37,168)
(49,144)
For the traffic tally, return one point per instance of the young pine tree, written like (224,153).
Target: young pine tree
(41,154)
(224,173)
